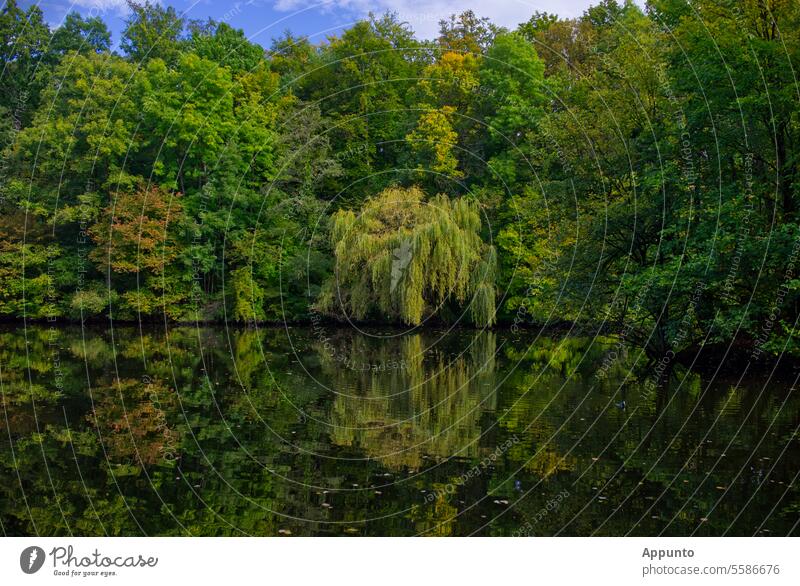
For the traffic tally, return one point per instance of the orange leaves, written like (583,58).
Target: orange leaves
(137,231)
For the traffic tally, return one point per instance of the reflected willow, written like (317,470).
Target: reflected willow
(431,407)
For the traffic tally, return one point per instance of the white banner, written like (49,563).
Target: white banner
(400,561)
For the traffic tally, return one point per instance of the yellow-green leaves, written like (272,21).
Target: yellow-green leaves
(404,257)
(433,141)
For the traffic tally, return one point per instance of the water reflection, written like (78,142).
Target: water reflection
(267,432)
(425,404)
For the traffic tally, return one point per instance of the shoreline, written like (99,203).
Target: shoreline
(698,358)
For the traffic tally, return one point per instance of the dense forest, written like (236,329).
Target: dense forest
(631,170)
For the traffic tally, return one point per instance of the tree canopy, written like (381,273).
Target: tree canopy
(403,256)
(628,169)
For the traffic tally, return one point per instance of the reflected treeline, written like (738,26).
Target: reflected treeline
(418,399)
(290,431)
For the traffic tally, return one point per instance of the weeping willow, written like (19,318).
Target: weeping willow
(403,257)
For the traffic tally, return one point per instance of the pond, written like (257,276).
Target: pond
(326,431)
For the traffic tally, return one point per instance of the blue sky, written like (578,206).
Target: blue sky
(263,20)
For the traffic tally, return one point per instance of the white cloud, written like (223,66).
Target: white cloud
(424,15)
(103,6)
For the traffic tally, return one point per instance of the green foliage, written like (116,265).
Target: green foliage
(80,35)
(152,31)
(433,141)
(404,257)
(632,169)
(513,77)
(225,45)
(24,38)
(466,33)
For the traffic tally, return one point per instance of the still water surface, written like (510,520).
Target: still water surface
(314,431)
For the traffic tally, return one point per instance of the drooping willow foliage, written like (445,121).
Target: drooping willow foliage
(403,256)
